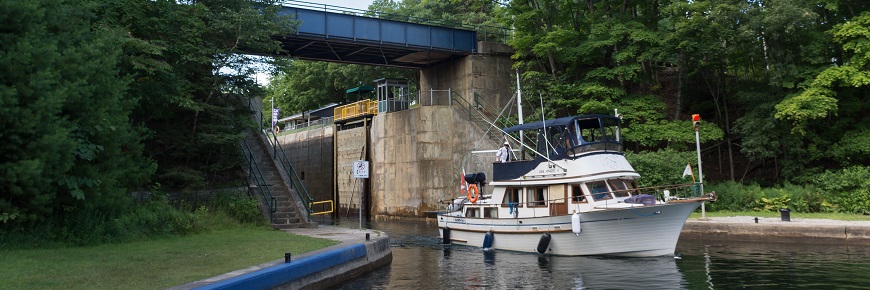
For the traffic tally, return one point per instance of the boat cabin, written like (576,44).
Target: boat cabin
(563,138)
(550,200)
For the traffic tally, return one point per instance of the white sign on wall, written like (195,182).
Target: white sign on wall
(361,169)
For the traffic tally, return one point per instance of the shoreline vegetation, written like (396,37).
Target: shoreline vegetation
(164,262)
(794,215)
(151,264)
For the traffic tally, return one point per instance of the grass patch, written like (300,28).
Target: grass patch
(158,263)
(770,214)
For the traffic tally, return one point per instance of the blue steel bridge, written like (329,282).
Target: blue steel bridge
(338,34)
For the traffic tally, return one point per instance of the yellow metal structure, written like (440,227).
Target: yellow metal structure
(331,207)
(361,108)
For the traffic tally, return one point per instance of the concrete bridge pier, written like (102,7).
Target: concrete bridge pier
(489,73)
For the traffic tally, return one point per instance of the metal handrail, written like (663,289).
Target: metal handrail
(295,182)
(483,31)
(471,108)
(352,110)
(503,120)
(331,207)
(289,170)
(256,176)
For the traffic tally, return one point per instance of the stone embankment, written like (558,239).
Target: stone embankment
(798,230)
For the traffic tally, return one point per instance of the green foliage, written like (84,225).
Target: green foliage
(238,205)
(662,167)
(733,196)
(154,217)
(307,85)
(784,81)
(773,203)
(848,189)
(67,142)
(834,192)
(184,57)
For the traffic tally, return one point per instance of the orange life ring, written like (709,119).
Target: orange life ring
(473,196)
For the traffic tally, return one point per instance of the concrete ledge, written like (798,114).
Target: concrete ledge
(379,254)
(780,232)
(314,270)
(280,274)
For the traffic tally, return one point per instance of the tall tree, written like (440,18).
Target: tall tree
(67,143)
(186,58)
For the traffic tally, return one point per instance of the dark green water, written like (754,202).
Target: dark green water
(420,262)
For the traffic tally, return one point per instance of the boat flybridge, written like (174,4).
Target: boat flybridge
(577,196)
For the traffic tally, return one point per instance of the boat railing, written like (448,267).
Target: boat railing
(607,146)
(664,193)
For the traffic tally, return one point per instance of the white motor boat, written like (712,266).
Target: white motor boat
(578,196)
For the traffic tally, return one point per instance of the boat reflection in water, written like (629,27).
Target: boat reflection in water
(420,262)
(506,270)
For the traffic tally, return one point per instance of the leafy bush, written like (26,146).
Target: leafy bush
(847,190)
(154,217)
(243,208)
(662,167)
(733,196)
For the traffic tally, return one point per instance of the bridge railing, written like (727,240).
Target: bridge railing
(484,32)
(292,128)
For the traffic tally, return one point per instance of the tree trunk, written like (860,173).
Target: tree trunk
(679,102)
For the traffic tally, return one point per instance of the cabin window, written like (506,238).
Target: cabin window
(622,187)
(537,196)
(472,212)
(599,190)
(511,196)
(577,195)
(590,130)
(490,212)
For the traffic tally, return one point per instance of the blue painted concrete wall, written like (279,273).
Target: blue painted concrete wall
(277,275)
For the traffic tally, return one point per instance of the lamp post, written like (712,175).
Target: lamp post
(696,121)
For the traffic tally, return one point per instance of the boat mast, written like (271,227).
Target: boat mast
(544,120)
(520,114)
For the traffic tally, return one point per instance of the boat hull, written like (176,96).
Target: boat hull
(643,231)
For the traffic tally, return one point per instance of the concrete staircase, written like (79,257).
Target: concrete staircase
(287,214)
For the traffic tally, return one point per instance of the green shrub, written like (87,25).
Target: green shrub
(243,208)
(733,196)
(661,167)
(847,190)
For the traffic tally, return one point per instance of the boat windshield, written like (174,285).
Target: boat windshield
(573,136)
(595,133)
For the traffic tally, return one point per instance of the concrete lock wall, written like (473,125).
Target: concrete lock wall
(350,146)
(310,152)
(416,159)
(489,73)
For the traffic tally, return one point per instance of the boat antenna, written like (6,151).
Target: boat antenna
(520,113)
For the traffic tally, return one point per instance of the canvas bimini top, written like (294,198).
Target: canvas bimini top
(570,136)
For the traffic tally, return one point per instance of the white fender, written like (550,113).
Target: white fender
(575,224)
